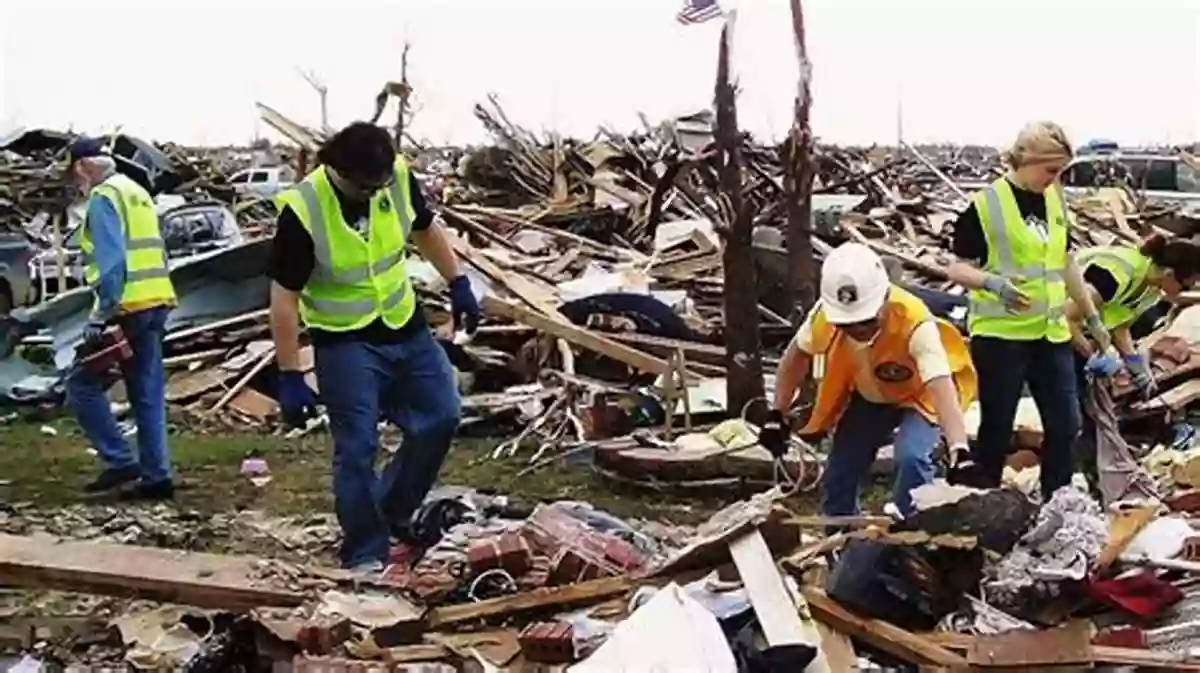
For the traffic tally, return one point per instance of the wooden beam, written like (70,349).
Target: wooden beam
(887,637)
(189,578)
(540,297)
(768,595)
(538,599)
(1148,660)
(576,335)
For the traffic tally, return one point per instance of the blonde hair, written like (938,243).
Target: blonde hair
(1037,142)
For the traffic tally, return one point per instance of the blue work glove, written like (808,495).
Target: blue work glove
(297,403)
(1143,378)
(1102,364)
(774,434)
(464,309)
(1013,298)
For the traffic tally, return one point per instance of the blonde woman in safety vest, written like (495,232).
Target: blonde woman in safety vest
(126,268)
(1124,282)
(884,365)
(1012,241)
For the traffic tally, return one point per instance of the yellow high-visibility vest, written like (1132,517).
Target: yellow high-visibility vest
(147,277)
(1034,261)
(1131,269)
(355,280)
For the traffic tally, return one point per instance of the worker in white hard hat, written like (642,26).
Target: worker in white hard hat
(884,364)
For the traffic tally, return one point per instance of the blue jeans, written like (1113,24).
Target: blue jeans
(145,384)
(864,428)
(1004,367)
(410,383)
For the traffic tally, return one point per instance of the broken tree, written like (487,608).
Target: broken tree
(798,186)
(742,357)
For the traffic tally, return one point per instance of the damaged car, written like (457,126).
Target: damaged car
(187,230)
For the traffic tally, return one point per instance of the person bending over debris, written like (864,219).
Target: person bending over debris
(883,361)
(338,264)
(1124,282)
(126,267)
(1013,240)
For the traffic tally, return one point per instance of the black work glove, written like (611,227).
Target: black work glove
(774,434)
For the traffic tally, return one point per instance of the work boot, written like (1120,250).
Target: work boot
(163,490)
(113,477)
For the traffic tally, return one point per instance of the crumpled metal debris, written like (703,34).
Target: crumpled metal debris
(1064,542)
(159,640)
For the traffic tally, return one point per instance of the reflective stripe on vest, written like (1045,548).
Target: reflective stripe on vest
(1036,268)
(147,274)
(321,249)
(341,296)
(1131,269)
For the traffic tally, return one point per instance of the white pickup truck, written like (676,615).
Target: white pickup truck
(265,182)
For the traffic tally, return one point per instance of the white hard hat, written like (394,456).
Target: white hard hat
(854,284)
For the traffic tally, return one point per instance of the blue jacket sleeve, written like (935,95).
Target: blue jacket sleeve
(108,243)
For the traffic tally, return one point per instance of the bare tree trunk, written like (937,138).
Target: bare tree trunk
(743,361)
(403,106)
(798,187)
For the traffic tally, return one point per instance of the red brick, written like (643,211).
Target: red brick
(510,552)
(1185,501)
(1121,636)
(622,554)
(548,642)
(572,565)
(321,635)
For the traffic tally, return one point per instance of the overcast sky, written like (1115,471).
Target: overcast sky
(966,70)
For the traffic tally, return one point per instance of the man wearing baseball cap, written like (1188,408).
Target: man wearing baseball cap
(126,268)
(883,364)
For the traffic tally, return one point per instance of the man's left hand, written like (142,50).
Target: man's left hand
(464,308)
(94,331)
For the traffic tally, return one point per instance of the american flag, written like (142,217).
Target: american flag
(698,11)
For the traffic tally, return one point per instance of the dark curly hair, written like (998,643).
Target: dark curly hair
(361,150)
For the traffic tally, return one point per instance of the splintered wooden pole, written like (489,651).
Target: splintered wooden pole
(743,361)
(798,186)
(403,102)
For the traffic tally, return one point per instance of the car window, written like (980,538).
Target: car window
(1187,178)
(239,178)
(1081,174)
(1137,171)
(1161,176)
(259,176)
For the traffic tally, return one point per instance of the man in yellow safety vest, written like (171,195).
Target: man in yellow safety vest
(338,266)
(126,267)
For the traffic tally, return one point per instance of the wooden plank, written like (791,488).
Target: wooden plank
(189,578)
(887,637)
(576,335)
(777,614)
(1102,654)
(837,649)
(1122,528)
(1069,645)
(538,599)
(540,297)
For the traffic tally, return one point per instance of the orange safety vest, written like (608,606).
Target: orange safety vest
(894,369)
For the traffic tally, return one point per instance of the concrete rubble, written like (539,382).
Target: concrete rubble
(600,267)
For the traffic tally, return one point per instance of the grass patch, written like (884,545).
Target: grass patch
(50,470)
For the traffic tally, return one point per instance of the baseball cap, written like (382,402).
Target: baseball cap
(84,147)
